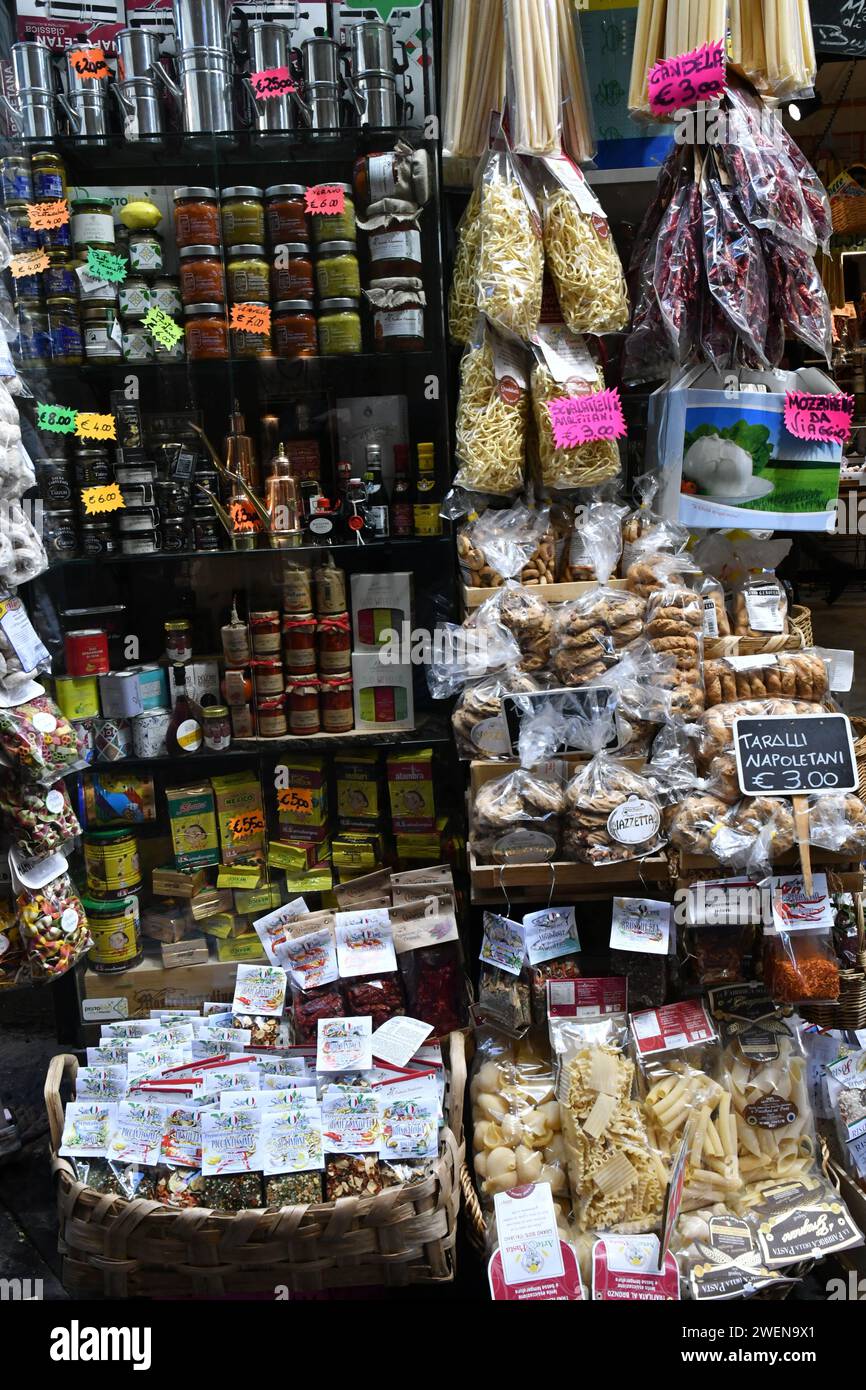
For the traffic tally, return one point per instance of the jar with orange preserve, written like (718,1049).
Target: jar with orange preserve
(286,212)
(338,712)
(196,216)
(248,343)
(293,328)
(292,271)
(207,332)
(334,645)
(201,275)
(302,704)
(265,629)
(299,644)
(271,717)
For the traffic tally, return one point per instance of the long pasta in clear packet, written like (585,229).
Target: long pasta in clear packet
(463,295)
(563,370)
(511,256)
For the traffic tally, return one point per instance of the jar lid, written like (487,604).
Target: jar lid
(326,304)
(283,306)
(246,248)
(331,248)
(178,625)
(306,685)
(199,251)
(297,246)
(215,711)
(142,234)
(272,703)
(61,511)
(84,203)
(102,837)
(277,190)
(62,301)
(242,190)
(97,312)
(60,257)
(193,191)
(96,525)
(191,309)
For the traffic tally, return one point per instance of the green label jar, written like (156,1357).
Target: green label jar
(248,274)
(339,327)
(114,927)
(337,273)
(339,226)
(242,212)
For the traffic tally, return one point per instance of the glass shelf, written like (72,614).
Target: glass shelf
(396,546)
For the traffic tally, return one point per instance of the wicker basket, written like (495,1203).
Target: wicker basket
(858,729)
(798,636)
(123,1249)
(848,203)
(849,1010)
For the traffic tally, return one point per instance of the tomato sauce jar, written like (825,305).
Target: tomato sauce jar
(201,275)
(286,212)
(294,329)
(302,703)
(207,332)
(334,645)
(196,216)
(299,644)
(337,705)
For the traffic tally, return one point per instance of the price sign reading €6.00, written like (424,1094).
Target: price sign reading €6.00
(327,199)
(245,827)
(106,498)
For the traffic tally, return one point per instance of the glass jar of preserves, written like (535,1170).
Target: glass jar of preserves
(292,271)
(247,274)
(207,333)
(299,644)
(92,468)
(286,212)
(337,705)
(136,343)
(339,327)
(376,176)
(173,533)
(201,275)
(28,288)
(196,216)
(49,176)
(396,252)
(178,641)
(15,180)
(293,328)
(337,273)
(134,298)
(269,677)
(216,728)
(175,353)
(271,717)
(55,238)
(34,334)
(54,481)
(98,538)
(145,253)
(242,209)
(246,343)
(22,237)
(103,294)
(302,705)
(102,335)
(92,224)
(59,534)
(397,308)
(334,645)
(265,630)
(165,295)
(64,325)
(336,226)
(59,280)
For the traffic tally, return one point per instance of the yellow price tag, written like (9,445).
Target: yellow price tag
(245,827)
(90,425)
(106,498)
(296,801)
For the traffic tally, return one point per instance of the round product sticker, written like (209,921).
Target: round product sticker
(54,802)
(509,390)
(490,736)
(601,226)
(524,847)
(69,920)
(189,735)
(634,822)
(45,723)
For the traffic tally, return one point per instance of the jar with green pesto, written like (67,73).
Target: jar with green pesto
(337,273)
(248,274)
(336,226)
(339,327)
(242,211)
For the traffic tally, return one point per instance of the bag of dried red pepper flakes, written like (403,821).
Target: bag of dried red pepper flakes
(801,966)
(309,1005)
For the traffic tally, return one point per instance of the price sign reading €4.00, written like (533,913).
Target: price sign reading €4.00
(90,425)
(106,498)
(327,199)
(45,217)
(580,419)
(245,827)
(28,263)
(679,82)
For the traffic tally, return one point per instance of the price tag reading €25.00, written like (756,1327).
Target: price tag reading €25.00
(326,198)
(245,827)
(90,425)
(106,498)
(272,82)
(251,318)
(56,419)
(162,327)
(46,216)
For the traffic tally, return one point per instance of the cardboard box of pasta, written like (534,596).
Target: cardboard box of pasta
(193,825)
(380,603)
(302,795)
(240,816)
(133,993)
(383,693)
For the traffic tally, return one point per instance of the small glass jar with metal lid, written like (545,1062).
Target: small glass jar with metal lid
(207,332)
(286,212)
(242,209)
(102,337)
(339,327)
(202,279)
(64,325)
(145,253)
(134,298)
(103,293)
(55,238)
(196,216)
(247,343)
(165,295)
(292,271)
(247,274)
(92,467)
(337,273)
(59,281)
(34,334)
(336,226)
(60,534)
(294,329)
(22,237)
(16,183)
(98,538)
(49,176)
(92,224)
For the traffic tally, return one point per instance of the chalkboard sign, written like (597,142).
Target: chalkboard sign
(839,27)
(574,711)
(795,757)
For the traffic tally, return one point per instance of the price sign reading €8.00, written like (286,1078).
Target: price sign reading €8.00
(245,827)
(328,199)
(56,419)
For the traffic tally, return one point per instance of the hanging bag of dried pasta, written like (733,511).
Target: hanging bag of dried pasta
(511,259)
(564,370)
(462,298)
(532,75)
(492,410)
(580,252)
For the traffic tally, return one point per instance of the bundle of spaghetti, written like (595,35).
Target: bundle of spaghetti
(771,42)
(577,141)
(667,28)
(532,52)
(511,259)
(491,425)
(463,296)
(585,267)
(473,82)
(585,465)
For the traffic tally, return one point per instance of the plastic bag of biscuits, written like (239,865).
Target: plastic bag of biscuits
(716,726)
(760,607)
(516,818)
(611,814)
(515,542)
(766,675)
(596,543)
(651,568)
(526,616)
(749,836)
(479,728)
(838,822)
(591,633)
(674,629)
(716,620)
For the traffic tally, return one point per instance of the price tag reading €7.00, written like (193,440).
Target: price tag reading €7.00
(106,498)
(90,425)
(327,199)
(56,419)
(245,827)
(46,216)
(162,327)
(251,318)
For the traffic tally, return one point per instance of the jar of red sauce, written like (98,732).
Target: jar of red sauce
(201,275)
(334,645)
(292,271)
(299,644)
(338,712)
(207,332)
(271,717)
(265,630)
(269,677)
(302,704)
(196,216)
(294,331)
(286,212)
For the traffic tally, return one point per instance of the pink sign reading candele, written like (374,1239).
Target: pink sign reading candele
(580,419)
(695,76)
(825,418)
(326,198)
(272,82)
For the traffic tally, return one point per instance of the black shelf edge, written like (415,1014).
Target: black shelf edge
(396,545)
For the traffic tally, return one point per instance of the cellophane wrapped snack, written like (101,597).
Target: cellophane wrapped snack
(580,253)
(770,190)
(513,542)
(40,820)
(846,1092)
(471,651)
(591,633)
(516,818)
(796,675)
(477,721)
(838,823)
(492,410)
(564,370)
(611,814)
(526,615)
(511,257)
(596,543)
(801,967)
(716,620)
(674,628)
(380,996)
(797,296)
(463,295)
(53,926)
(39,741)
(760,606)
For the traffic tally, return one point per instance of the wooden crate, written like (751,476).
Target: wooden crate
(492,883)
(551,593)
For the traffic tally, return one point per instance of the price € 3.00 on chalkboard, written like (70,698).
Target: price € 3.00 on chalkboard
(795,757)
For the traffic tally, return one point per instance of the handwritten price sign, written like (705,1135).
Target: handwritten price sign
(825,418)
(89,425)
(89,63)
(582,419)
(28,263)
(43,217)
(251,318)
(295,799)
(326,198)
(103,265)
(690,78)
(245,827)
(56,419)
(162,327)
(272,82)
(102,499)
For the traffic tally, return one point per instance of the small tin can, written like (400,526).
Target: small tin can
(152,687)
(86,652)
(148,733)
(119,694)
(77,696)
(85,732)
(114,926)
(111,863)
(112,740)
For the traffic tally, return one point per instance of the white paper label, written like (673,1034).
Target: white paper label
(527,1234)
(93,1010)
(398,1039)
(640,924)
(764,609)
(20,634)
(395,246)
(550,933)
(400,323)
